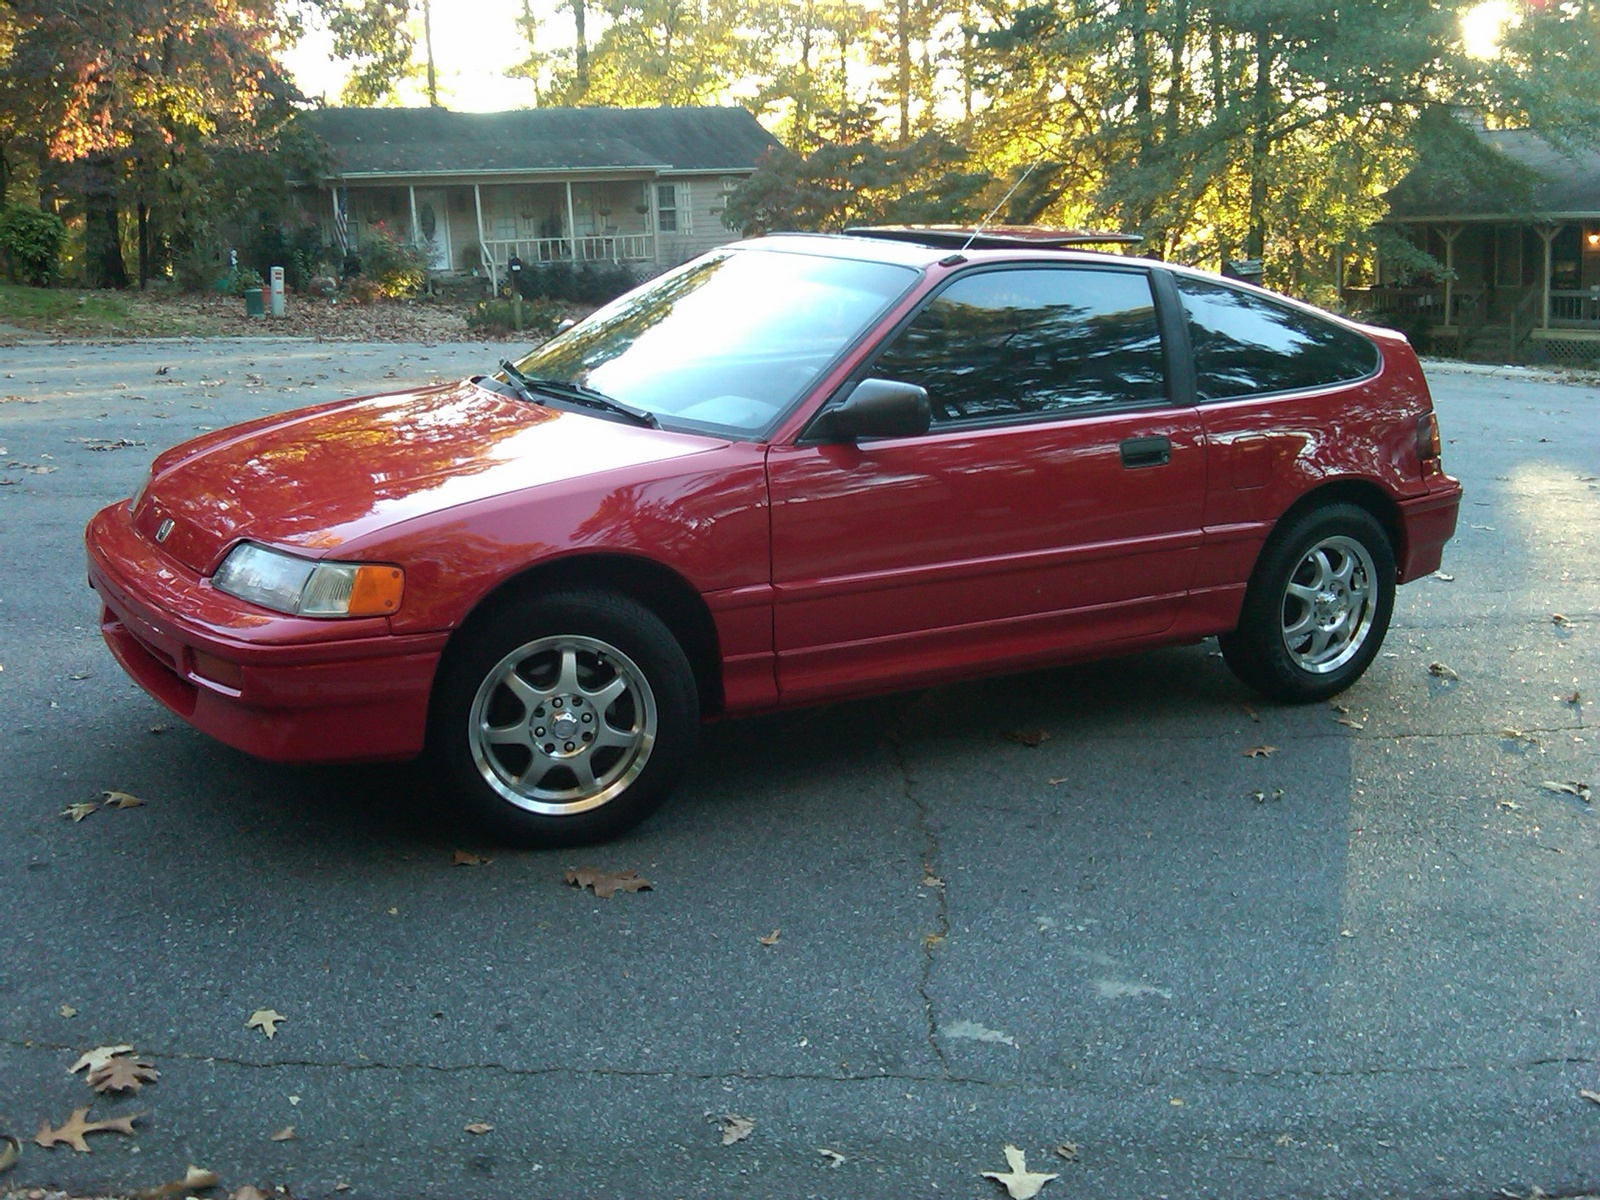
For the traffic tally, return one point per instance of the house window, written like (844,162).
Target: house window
(667,207)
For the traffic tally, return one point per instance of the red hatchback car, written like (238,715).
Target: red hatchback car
(796,469)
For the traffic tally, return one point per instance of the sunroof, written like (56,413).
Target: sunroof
(993,237)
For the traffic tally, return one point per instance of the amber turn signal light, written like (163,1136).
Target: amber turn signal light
(376,591)
(1428,436)
(217,670)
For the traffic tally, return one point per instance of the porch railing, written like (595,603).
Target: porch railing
(1574,307)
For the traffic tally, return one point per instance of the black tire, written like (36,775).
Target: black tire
(589,736)
(1275,648)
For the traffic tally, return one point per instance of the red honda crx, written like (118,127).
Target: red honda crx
(796,469)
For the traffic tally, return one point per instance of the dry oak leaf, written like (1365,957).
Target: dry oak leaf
(124,1073)
(1591,1097)
(76,1127)
(771,939)
(1067,1151)
(286,1134)
(1560,620)
(97,1058)
(735,1128)
(833,1156)
(266,1020)
(478,1128)
(1439,671)
(462,859)
(77,812)
(121,800)
(249,1192)
(1259,751)
(1028,737)
(10,1151)
(1569,788)
(1019,1182)
(194,1179)
(608,883)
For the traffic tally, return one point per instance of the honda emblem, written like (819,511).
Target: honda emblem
(164,529)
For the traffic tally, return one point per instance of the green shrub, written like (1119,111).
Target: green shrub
(30,242)
(587,285)
(537,316)
(239,281)
(394,264)
(298,251)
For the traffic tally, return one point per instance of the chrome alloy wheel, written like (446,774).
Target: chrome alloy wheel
(562,724)
(1329,605)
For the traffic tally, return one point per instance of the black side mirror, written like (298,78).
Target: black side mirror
(876,408)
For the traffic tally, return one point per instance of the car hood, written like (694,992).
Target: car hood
(320,478)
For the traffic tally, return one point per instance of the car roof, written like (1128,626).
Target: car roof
(907,249)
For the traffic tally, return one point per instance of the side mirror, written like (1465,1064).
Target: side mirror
(876,408)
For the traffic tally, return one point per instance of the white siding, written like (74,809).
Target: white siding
(700,226)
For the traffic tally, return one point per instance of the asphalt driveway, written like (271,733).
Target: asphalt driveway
(892,936)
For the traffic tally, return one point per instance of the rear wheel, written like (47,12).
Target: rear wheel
(565,719)
(1318,606)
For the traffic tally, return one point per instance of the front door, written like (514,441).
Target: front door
(433,228)
(1055,503)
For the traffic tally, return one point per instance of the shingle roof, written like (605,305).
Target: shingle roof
(417,141)
(1557,183)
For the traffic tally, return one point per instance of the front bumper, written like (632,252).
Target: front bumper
(305,691)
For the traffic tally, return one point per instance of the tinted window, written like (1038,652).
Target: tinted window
(1244,344)
(1032,341)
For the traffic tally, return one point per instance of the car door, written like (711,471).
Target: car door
(1055,502)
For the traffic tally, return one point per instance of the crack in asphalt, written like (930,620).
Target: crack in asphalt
(930,855)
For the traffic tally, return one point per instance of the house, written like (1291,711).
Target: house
(1522,262)
(640,186)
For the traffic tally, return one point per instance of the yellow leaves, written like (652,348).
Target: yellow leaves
(266,1020)
(121,800)
(478,1128)
(1019,1182)
(735,1128)
(93,1060)
(77,812)
(771,939)
(194,1179)
(77,1127)
(1259,751)
(606,884)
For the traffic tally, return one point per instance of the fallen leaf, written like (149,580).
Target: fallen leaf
(932,940)
(121,800)
(1591,1097)
(1060,779)
(1560,621)
(1443,578)
(250,1192)
(94,1059)
(286,1134)
(1439,671)
(162,370)
(478,1128)
(771,939)
(608,883)
(1067,1151)
(1338,708)
(11,1150)
(124,1073)
(160,728)
(266,1020)
(930,880)
(78,812)
(1261,797)
(66,1010)
(1251,713)
(76,1127)
(194,1179)
(1028,737)
(1019,1182)
(833,1156)
(1569,788)
(1350,723)
(1259,751)
(1575,698)
(341,1187)
(734,1128)
(462,859)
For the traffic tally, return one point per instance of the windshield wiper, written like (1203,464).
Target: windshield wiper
(575,393)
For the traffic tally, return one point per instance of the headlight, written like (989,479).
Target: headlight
(304,587)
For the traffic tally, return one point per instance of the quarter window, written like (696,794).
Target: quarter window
(1246,345)
(1033,342)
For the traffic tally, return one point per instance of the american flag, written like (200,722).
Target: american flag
(341,220)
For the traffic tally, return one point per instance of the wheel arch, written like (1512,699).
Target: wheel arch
(1362,493)
(659,588)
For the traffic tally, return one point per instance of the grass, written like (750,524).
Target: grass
(85,312)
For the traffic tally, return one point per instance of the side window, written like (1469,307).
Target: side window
(1245,345)
(1033,341)
(667,207)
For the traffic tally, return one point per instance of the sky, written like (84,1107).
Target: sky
(474,41)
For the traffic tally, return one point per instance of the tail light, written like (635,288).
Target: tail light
(1428,437)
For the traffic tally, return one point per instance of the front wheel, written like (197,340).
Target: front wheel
(1317,608)
(564,719)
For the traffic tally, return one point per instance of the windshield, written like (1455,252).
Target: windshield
(725,343)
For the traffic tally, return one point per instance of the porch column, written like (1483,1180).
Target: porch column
(411,192)
(655,223)
(1547,234)
(572,226)
(1450,233)
(483,246)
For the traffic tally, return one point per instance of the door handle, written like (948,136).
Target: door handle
(1146,452)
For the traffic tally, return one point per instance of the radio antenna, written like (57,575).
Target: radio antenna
(1000,205)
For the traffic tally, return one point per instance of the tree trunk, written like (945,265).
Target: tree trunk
(1260,143)
(427,39)
(580,48)
(144,244)
(902,36)
(102,226)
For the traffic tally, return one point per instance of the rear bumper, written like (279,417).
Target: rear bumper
(1427,523)
(305,690)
